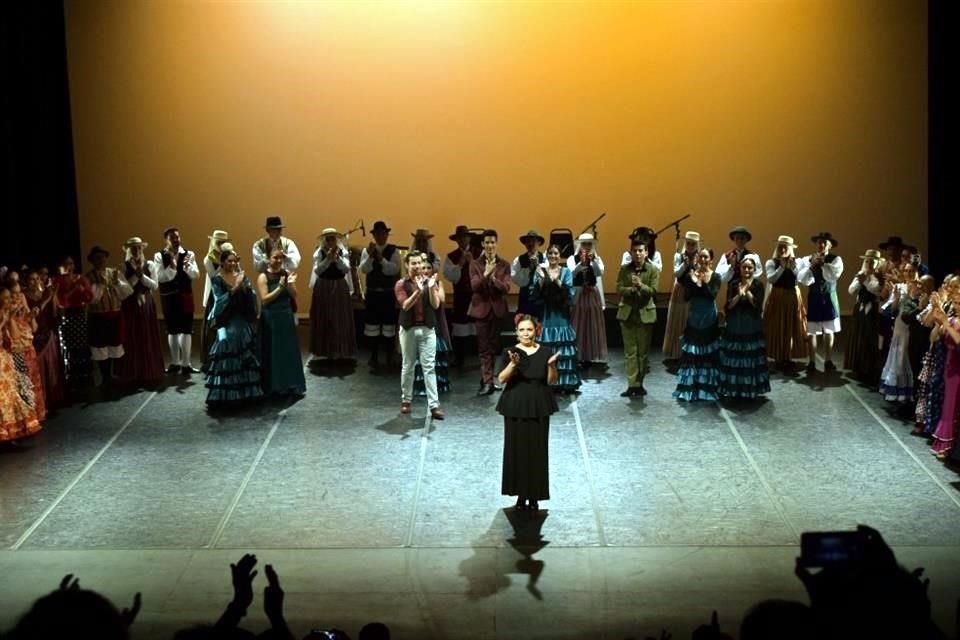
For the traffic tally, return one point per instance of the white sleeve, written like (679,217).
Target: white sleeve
(124,289)
(854,286)
(520,276)
(597,265)
(148,280)
(451,271)
(679,266)
(657,259)
(833,270)
(873,285)
(259,259)
(293,257)
(773,271)
(625,259)
(723,269)
(163,274)
(209,268)
(190,266)
(391,267)
(804,272)
(343,261)
(366,264)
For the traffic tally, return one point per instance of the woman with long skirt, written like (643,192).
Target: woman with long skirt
(526,405)
(944,435)
(683,262)
(784,316)
(587,318)
(46,342)
(74,293)
(896,378)
(699,375)
(20,343)
(743,351)
(279,345)
(219,241)
(553,286)
(18,416)
(233,377)
(142,361)
(333,333)
(862,356)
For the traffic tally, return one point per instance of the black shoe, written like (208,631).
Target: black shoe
(533,505)
(628,393)
(188,369)
(641,391)
(173,369)
(811,367)
(829,366)
(486,389)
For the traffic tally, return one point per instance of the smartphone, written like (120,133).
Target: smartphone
(830,548)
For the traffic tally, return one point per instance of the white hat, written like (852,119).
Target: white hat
(585,237)
(692,235)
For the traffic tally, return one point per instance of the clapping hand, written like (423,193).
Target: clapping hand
(243,575)
(273,598)
(71,583)
(552,361)
(291,280)
(514,357)
(490,266)
(431,282)
(541,273)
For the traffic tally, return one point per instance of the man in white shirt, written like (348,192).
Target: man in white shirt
(176,270)
(263,247)
(380,263)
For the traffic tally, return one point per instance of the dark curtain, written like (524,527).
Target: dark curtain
(944,214)
(39,195)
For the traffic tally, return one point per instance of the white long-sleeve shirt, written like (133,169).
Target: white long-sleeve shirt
(774,270)
(261,256)
(321,262)
(831,271)
(724,268)
(169,273)
(391,267)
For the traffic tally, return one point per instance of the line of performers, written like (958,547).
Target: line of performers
(55,328)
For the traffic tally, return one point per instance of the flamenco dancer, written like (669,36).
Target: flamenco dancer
(699,375)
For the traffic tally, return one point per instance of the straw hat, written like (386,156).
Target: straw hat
(219,236)
(787,240)
(585,237)
(135,241)
(693,236)
(330,231)
(871,254)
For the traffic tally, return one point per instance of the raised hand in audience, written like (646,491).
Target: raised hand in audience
(242,575)
(273,605)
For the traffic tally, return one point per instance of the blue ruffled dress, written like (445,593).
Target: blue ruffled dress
(556,300)
(233,373)
(699,375)
(743,351)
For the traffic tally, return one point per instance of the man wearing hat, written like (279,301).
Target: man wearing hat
(176,270)
(648,236)
(456,269)
(380,263)
(105,323)
(263,247)
(522,269)
(729,266)
(820,272)
(143,350)
(637,313)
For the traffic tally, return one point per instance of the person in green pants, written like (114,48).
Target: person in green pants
(637,313)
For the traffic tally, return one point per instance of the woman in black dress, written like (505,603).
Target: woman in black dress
(526,404)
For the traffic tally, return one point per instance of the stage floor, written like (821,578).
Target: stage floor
(660,512)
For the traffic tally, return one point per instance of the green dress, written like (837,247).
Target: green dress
(279,345)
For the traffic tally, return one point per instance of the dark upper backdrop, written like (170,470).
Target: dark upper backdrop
(789,117)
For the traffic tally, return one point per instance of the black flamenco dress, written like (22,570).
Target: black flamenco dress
(526,405)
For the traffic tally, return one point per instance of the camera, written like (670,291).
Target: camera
(831,548)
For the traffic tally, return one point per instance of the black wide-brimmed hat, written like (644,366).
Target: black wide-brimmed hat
(825,235)
(533,233)
(380,225)
(95,250)
(462,230)
(273,222)
(892,241)
(742,230)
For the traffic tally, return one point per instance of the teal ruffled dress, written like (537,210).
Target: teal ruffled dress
(556,300)
(233,373)
(743,351)
(699,375)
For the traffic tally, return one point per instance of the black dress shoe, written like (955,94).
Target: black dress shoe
(641,391)
(486,390)
(627,393)
(173,369)
(188,369)
(829,366)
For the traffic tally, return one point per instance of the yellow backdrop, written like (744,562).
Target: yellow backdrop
(789,116)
